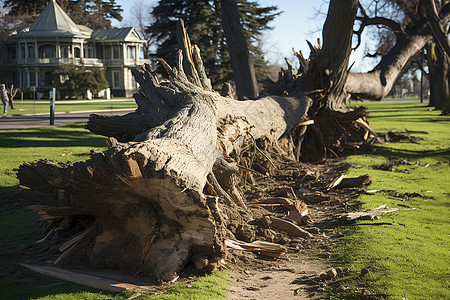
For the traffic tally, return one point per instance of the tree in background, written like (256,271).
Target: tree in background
(140,18)
(243,71)
(76,81)
(9,24)
(93,13)
(438,74)
(204,25)
(394,20)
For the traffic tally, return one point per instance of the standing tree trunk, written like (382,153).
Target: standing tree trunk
(332,60)
(244,75)
(438,72)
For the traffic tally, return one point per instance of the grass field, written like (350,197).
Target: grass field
(43,106)
(410,260)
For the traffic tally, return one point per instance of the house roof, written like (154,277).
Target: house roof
(54,21)
(116,34)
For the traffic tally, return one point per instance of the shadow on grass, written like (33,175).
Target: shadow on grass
(413,154)
(73,135)
(7,190)
(410,119)
(18,232)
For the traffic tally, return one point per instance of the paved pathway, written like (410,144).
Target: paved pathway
(43,120)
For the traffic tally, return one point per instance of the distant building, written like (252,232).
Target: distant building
(54,39)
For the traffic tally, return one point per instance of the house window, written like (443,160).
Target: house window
(131,52)
(88,52)
(32,79)
(66,51)
(116,54)
(77,52)
(22,51)
(99,51)
(134,84)
(47,51)
(116,79)
(21,79)
(31,51)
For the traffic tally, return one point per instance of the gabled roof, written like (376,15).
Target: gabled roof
(54,21)
(116,34)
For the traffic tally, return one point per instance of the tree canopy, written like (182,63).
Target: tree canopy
(92,13)
(204,25)
(80,79)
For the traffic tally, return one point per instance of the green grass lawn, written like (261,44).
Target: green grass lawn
(18,227)
(410,260)
(43,106)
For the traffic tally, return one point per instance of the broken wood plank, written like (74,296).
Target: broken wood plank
(335,182)
(299,213)
(277,200)
(366,126)
(307,122)
(371,213)
(298,210)
(342,182)
(288,227)
(87,280)
(264,248)
(354,182)
(47,236)
(74,240)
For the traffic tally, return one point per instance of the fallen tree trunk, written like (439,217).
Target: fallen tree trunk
(140,206)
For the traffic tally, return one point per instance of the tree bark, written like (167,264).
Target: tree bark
(141,206)
(438,72)
(332,60)
(144,200)
(244,75)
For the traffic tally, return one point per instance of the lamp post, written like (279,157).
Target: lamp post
(52,107)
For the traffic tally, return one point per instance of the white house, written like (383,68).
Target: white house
(54,40)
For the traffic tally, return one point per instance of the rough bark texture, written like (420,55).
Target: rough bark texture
(438,72)
(332,61)
(244,75)
(145,197)
(141,204)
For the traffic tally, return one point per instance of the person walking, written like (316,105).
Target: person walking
(5,99)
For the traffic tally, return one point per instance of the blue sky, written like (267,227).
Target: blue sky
(298,22)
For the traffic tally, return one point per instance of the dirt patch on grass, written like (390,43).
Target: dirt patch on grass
(259,277)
